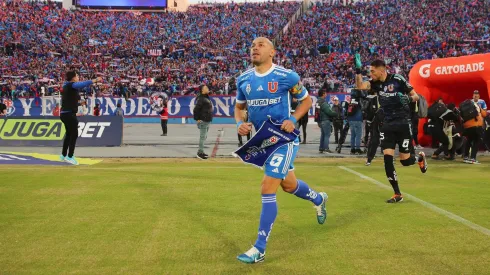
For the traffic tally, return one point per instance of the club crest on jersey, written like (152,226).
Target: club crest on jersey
(248,89)
(390,88)
(272,86)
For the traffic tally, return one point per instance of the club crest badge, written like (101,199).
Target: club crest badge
(269,142)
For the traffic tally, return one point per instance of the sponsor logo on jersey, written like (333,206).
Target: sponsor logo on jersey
(260,88)
(386,94)
(263,101)
(272,86)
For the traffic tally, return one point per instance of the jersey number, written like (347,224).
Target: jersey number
(276,161)
(382,136)
(405,143)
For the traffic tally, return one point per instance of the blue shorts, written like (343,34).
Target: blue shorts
(280,163)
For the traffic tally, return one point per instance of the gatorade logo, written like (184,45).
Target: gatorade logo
(424,70)
(38,129)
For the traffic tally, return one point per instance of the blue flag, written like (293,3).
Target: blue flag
(264,143)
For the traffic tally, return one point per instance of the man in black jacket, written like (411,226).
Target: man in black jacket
(203,114)
(68,113)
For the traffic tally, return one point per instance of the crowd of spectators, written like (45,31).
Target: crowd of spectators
(322,43)
(209,43)
(206,44)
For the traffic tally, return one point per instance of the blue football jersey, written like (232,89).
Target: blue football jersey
(269,94)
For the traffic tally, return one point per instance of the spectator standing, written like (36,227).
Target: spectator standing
(325,123)
(56,110)
(82,109)
(203,115)
(97,109)
(354,116)
(164,119)
(473,130)
(119,111)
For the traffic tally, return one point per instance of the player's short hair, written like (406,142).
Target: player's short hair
(321,93)
(70,75)
(268,41)
(378,63)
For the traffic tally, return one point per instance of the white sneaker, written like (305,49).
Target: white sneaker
(71,160)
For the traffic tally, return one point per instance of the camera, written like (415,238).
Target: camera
(358,94)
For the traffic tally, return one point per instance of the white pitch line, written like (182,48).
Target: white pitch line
(432,207)
(301,167)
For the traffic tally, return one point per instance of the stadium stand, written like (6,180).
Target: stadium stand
(209,43)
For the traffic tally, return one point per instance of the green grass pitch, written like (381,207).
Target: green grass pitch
(189,217)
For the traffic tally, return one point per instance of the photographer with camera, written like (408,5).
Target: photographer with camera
(442,119)
(354,116)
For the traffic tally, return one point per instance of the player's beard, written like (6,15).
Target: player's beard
(257,63)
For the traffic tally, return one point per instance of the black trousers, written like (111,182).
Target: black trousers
(71,127)
(337,127)
(164,126)
(367,132)
(373,141)
(303,123)
(473,138)
(438,134)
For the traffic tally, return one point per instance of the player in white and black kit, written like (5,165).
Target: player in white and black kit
(395,95)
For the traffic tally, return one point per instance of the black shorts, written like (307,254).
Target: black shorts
(393,134)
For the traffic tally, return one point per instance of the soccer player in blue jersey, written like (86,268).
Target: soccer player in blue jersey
(266,91)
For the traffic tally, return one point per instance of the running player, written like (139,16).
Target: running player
(395,95)
(266,90)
